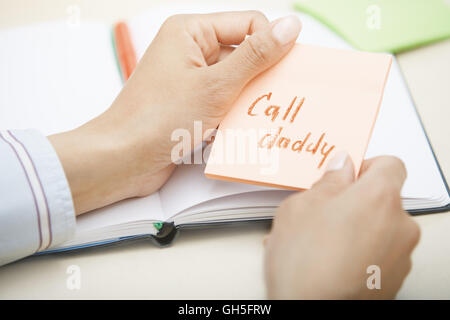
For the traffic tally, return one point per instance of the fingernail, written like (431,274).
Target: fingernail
(286,29)
(338,161)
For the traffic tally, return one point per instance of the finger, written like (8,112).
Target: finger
(232,27)
(384,171)
(411,232)
(262,49)
(380,184)
(366,164)
(340,174)
(211,31)
(224,52)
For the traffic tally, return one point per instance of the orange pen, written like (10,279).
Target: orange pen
(125,50)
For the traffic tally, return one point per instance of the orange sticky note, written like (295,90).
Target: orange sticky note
(291,120)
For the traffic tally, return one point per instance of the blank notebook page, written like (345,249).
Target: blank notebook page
(54,77)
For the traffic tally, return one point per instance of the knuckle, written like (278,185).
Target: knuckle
(218,90)
(378,190)
(256,53)
(394,163)
(291,203)
(414,233)
(256,14)
(408,267)
(385,192)
(287,205)
(336,178)
(392,196)
(174,19)
(409,231)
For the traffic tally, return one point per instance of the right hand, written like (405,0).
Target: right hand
(193,70)
(324,239)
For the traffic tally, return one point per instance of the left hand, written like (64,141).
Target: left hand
(324,239)
(190,72)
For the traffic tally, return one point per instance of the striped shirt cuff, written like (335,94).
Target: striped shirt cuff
(51,209)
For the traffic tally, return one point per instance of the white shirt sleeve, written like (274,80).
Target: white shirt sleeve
(36,208)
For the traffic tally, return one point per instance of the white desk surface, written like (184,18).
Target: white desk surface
(223,263)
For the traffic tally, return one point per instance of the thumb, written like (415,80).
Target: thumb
(340,173)
(261,50)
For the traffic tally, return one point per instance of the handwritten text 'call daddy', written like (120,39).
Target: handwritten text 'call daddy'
(276,139)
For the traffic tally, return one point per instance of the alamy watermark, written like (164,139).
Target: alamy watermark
(232,147)
(73,281)
(248,147)
(373,21)
(73,19)
(374,280)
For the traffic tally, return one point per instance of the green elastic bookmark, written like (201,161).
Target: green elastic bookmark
(158,225)
(383,25)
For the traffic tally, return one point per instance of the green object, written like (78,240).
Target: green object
(158,225)
(383,25)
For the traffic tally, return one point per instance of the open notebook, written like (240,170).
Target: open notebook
(54,77)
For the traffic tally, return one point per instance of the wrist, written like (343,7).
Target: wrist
(97,163)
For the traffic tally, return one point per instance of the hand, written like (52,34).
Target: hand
(323,240)
(191,72)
